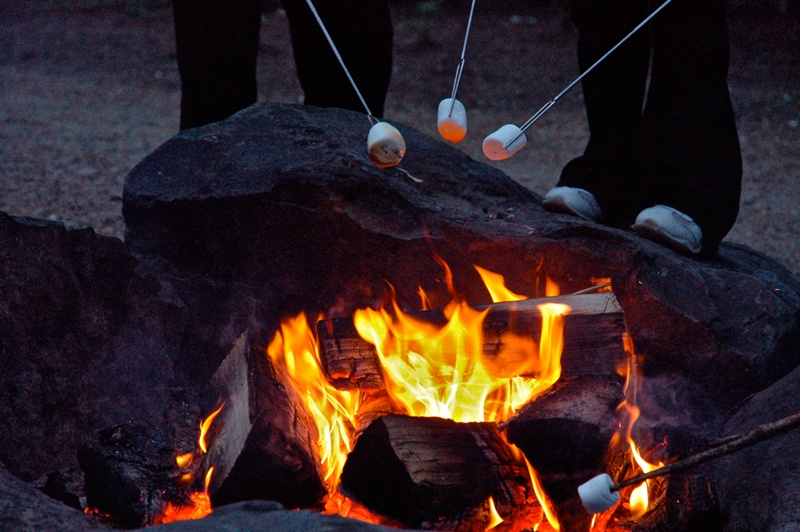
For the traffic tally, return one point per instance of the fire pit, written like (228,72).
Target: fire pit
(239,225)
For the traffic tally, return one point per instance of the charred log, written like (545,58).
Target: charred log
(593,332)
(427,470)
(565,434)
(263,446)
(130,474)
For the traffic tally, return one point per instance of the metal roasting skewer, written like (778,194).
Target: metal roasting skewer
(372,119)
(546,107)
(460,67)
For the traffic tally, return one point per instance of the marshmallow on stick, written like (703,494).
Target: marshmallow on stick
(504,142)
(452,125)
(385,145)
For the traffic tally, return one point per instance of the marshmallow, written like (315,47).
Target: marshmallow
(385,145)
(596,494)
(452,126)
(494,146)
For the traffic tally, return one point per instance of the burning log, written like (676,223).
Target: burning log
(565,434)
(593,332)
(262,446)
(130,474)
(569,426)
(432,470)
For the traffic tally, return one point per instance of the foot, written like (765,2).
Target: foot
(573,201)
(671,228)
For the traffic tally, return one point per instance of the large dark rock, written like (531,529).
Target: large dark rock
(25,508)
(759,488)
(282,203)
(85,342)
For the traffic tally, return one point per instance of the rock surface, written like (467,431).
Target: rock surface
(282,201)
(757,488)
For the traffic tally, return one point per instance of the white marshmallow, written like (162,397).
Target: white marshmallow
(596,494)
(452,126)
(385,145)
(494,146)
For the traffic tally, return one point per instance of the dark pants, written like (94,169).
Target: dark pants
(679,146)
(217,47)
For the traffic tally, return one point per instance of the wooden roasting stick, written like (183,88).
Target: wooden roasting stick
(593,331)
(731,445)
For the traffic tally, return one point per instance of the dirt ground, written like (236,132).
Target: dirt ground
(89,87)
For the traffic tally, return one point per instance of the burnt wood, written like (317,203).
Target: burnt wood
(130,474)
(593,331)
(424,470)
(566,433)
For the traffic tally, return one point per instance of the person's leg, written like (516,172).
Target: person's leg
(362,32)
(689,132)
(613,93)
(217,45)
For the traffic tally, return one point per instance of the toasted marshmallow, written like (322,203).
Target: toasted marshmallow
(452,126)
(385,145)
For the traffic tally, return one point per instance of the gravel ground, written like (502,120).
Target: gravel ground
(89,87)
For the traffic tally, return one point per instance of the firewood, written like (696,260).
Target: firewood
(593,332)
(262,442)
(418,470)
(565,432)
(130,473)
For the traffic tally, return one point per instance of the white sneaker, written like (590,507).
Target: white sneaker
(574,201)
(671,228)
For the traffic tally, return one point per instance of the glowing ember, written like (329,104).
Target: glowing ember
(199,506)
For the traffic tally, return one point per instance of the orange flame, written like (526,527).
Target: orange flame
(205,426)
(495,284)
(198,506)
(184,460)
(640,496)
(430,370)
(494,517)
(295,351)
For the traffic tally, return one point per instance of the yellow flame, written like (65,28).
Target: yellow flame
(547,506)
(205,426)
(495,284)
(494,517)
(551,288)
(184,460)
(429,370)
(295,351)
(640,496)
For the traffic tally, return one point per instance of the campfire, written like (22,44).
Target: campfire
(410,412)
